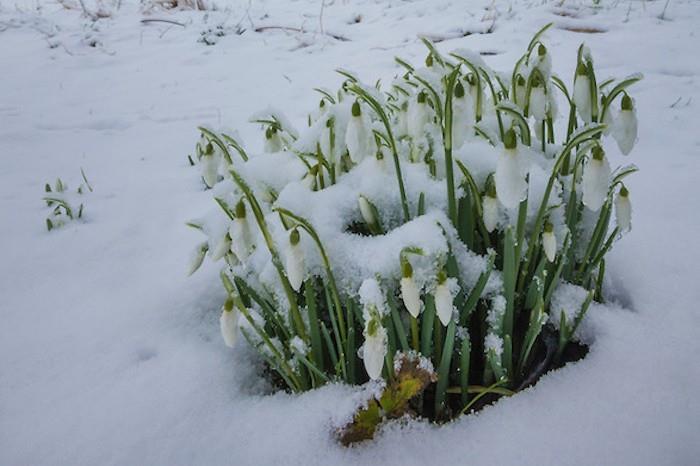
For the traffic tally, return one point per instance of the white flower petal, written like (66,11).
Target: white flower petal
(411,296)
(511,187)
(549,243)
(490,213)
(624,130)
(444,303)
(228,322)
(594,183)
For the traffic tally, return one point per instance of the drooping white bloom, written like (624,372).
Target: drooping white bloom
(444,300)
(327,133)
(520,91)
(228,322)
(538,102)
(273,141)
(595,180)
(511,187)
(295,261)
(624,129)
(549,242)
(374,348)
(418,116)
(358,137)
(402,120)
(221,247)
(197,257)
(210,165)
(623,210)
(241,236)
(463,117)
(582,93)
(543,62)
(490,210)
(410,292)
(369,215)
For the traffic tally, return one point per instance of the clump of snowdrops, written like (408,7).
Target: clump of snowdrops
(66,206)
(425,224)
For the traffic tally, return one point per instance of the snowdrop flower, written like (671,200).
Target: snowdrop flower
(462,116)
(228,322)
(358,137)
(443,299)
(418,116)
(309,180)
(197,257)
(210,165)
(543,61)
(511,187)
(624,129)
(594,181)
(273,141)
(295,261)
(623,210)
(549,242)
(490,206)
(242,241)
(582,92)
(402,120)
(369,215)
(410,292)
(221,247)
(326,141)
(374,347)
(520,91)
(538,99)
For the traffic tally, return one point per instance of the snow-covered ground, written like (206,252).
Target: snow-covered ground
(109,354)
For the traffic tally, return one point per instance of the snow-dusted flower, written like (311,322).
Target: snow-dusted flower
(549,242)
(221,247)
(444,300)
(463,117)
(273,141)
(210,165)
(543,62)
(410,292)
(538,99)
(624,129)
(309,180)
(494,343)
(358,137)
(511,186)
(520,91)
(197,257)
(402,120)
(374,347)
(582,92)
(228,322)
(623,210)
(295,261)
(418,116)
(241,236)
(369,214)
(595,179)
(490,207)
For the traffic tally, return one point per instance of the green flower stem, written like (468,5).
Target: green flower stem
(447,137)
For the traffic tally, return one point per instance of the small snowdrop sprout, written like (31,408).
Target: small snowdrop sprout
(490,206)
(595,179)
(295,260)
(444,300)
(582,92)
(359,138)
(511,186)
(370,215)
(549,242)
(210,165)
(410,292)
(623,210)
(624,128)
(228,322)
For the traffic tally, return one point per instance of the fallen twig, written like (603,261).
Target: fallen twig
(159,20)
(293,29)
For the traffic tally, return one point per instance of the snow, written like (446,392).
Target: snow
(110,354)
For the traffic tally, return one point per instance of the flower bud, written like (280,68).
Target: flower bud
(374,347)
(623,210)
(595,179)
(511,187)
(197,257)
(410,293)
(418,116)
(241,236)
(549,242)
(624,129)
(490,206)
(228,322)
(221,247)
(370,215)
(273,142)
(358,136)
(443,299)
(538,99)
(582,93)
(210,165)
(295,261)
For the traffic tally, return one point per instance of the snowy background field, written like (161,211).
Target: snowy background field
(109,354)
